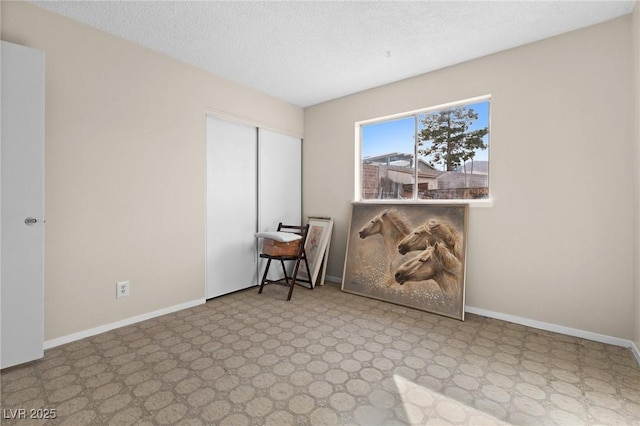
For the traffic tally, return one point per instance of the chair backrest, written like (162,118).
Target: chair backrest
(300,230)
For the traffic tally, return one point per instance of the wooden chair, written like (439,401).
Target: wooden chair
(298,256)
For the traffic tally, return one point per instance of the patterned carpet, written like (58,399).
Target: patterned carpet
(325,357)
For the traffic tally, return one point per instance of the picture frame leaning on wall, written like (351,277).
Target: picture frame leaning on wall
(412,255)
(317,249)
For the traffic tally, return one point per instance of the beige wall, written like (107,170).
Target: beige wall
(125,172)
(125,169)
(557,245)
(635,28)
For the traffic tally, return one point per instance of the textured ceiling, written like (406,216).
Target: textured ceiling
(307,52)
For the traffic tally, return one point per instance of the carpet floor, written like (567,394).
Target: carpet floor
(324,358)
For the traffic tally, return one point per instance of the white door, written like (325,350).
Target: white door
(22,195)
(231,207)
(280,180)
(279,185)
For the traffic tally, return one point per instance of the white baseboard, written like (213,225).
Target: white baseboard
(107,327)
(333,279)
(635,351)
(551,327)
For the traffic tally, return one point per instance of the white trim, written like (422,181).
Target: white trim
(357,160)
(406,114)
(333,279)
(242,119)
(108,327)
(551,327)
(482,202)
(636,352)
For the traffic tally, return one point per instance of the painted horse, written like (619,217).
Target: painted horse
(435,263)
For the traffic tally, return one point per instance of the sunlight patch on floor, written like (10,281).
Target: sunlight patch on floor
(423,405)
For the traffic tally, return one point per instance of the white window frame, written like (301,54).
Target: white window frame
(483,202)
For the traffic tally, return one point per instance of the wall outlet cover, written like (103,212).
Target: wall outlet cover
(122,289)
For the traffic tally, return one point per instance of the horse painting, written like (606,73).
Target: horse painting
(435,263)
(411,254)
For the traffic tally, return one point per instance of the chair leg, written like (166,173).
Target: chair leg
(284,272)
(293,279)
(264,276)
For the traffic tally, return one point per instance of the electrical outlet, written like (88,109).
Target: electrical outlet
(122,289)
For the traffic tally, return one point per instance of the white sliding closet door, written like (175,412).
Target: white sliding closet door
(279,184)
(231,207)
(280,176)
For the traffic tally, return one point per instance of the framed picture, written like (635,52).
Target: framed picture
(409,254)
(316,248)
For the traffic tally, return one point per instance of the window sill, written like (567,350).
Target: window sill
(483,203)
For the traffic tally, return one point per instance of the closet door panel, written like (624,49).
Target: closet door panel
(231,206)
(279,185)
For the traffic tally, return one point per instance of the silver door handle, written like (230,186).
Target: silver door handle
(31,221)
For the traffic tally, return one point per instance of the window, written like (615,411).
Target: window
(435,153)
